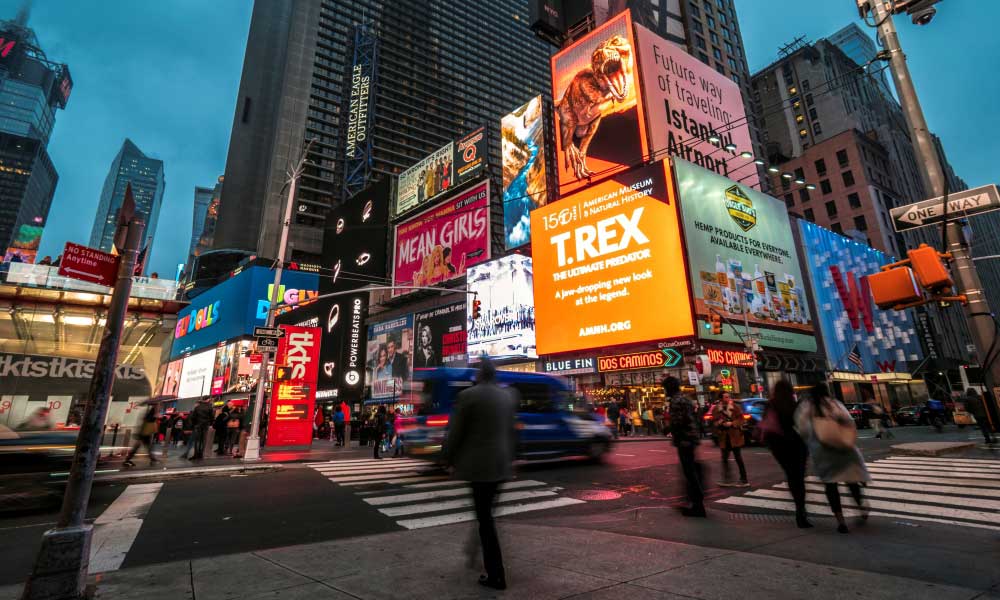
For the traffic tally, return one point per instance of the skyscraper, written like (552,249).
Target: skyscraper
(32,88)
(861,48)
(443,69)
(145,174)
(202,198)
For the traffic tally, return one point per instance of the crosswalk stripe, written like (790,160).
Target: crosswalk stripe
(503,486)
(429,507)
(394,481)
(365,461)
(991,465)
(812,508)
(876,492)
(420,496)
(946,459)
(922,509)
(893,471)
(117,527)
(498,512)
(935,468)
(923,479)
(376,477)
(377,468)
(918,487)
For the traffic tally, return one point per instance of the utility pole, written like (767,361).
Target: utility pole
(252,452)
(980,317)
(60,570)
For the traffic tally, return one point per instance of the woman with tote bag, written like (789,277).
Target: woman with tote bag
(829,432)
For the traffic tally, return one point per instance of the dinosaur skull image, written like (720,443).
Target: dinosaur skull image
(612,63)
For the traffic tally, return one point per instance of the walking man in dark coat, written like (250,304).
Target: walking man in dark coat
(685,434)
(481,443)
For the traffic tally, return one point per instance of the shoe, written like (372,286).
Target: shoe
(128,463)
(693,511)
(744,483)
(497,584)
(803,523)
(842,528)
(865,512)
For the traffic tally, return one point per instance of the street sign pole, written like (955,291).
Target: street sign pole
(60,569)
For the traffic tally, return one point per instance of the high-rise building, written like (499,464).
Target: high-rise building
(130,166)
(861,48)
(203,230)
(32,88)
(202,198)
(442,70)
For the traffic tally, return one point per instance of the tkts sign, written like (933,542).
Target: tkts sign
(293,399)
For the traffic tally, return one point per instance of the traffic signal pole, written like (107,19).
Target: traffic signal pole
(980,317)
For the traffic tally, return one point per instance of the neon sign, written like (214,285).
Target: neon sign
(198,320)
(287,299)
(733,358)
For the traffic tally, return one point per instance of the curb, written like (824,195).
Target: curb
(931,448)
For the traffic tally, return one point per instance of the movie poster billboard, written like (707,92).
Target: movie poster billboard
(525,188)
(293,399)
(506,326)
(838,269)
(604,256)
(688,102)
(439,244)
(470,156)
(172,378)
(422,182)
(440,337)
(390,353)
(742,260)
(600,124)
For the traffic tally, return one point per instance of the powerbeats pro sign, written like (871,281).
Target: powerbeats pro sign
(609,267)
(293,399)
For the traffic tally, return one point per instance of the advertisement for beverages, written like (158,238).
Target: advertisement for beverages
(390,349)
(290,419)
(522,145)
(441,243)
(688,102)
(742,259)
(600,125)
(426,179)
(506,326)
(605,256)
(440,337)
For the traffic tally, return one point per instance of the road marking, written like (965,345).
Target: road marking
(965,464)
(917,487)
(116,528)
(503,486)
(419,496)
(394,481)
(375,476)
(874,468)
(428,507)
(921,509)
(620,454)
(375,461)
(664,451)
(873,492)
(497,512)
(919,479)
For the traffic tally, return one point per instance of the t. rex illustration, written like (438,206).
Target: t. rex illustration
(588,95)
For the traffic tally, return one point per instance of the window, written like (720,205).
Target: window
(785,184)
(535,397)
(812,114)
(837,228)
(817,129)
(809,215)
(799,173)
(721,68)
(831,209)
(703,57)
(825,186)
(805,87)
(729,47)
(717,53)
(789,200)
(809,98)
(722,18)
(710,21)
(695,11)
(804,194)
(842,159)
(820,167)
(733,65)
(725,33)
(736,78)
(700,42)
(860,224)
(714,37)
(854,200)
(848,178)
(721,3)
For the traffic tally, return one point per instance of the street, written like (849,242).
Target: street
(934,519)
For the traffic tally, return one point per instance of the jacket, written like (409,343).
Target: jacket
(974,406)
(730,435)
(683,422)
(482,437)
(831,465)
(201,416)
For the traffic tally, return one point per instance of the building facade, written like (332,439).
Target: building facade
(202,200)
(130,166)
(32,89)
(443,70)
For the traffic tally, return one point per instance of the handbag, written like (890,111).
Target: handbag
(834,434)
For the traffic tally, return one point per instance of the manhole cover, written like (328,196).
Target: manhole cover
(596,495)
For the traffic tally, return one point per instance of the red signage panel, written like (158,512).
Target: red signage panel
(732,358)
(87,264)
(293,398)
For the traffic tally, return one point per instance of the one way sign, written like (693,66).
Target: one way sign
(960,204)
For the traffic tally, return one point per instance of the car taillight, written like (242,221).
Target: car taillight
(746,416)
(437,421)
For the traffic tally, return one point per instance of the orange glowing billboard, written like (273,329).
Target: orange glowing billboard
(609,266)
(600,125)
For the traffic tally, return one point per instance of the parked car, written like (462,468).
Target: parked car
(908,415)
(863,415)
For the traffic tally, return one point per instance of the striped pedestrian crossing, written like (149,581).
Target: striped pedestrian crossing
(417,494)
(962,492)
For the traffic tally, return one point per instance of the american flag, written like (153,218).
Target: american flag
(855,357)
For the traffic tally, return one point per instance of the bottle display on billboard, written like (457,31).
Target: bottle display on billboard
(522,146)
(605,256)
(506,326)
(742,260)
(599,118)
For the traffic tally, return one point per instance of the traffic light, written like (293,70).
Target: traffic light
(716,321)
(895,287)
(476,308)
(930,269)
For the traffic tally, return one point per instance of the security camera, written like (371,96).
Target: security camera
(923,16)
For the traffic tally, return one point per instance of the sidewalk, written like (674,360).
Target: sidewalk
(542,562)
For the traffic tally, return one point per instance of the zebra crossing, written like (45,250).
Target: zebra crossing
(417,494)
(962,492)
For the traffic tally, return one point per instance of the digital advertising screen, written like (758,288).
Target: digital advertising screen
(355,240)
(426,180)
(471,152)
(742,260)
(838,269)
(440,337)
(506,326)
(172,378)
(441,243)
(600,125)
(196,375)
(687,102)
(390,357)
(603,257)
(525,188)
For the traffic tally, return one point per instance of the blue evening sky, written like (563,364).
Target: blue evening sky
(166,73)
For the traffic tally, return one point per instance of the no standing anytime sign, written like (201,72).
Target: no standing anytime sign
(87,264)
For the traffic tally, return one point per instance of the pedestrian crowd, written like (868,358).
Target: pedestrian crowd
(228,426)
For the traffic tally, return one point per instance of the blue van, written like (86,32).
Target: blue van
(551,422)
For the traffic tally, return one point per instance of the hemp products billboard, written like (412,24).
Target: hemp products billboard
(600,125)
(741,257)
(525,188)
(688,102)
(610,266)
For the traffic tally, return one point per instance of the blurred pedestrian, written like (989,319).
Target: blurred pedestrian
(975,406)
(613,417)
(881,423)
(220,425)
(778,432)
(831,436)
(39,420)
(727,417)
(338,424)
(623,422)
(378,429)
(199,420)
(147,429)
(684,431)
(233,427)
(397,439)
(481,442)
(635,420)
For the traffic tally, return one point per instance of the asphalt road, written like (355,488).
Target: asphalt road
(633,491)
